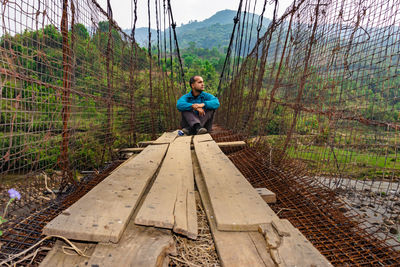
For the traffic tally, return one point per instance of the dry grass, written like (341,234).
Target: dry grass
(200,252)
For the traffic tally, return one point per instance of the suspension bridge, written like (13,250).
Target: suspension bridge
(302,167)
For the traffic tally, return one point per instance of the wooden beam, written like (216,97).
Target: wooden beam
(139,246)
(131,150)
(221,144)
(145,143)
(288,247)
(166,138)
(170,203)
(232,144)
(185,205)
(234,249)
(267,195)
(203,137)
(236,204)
(58,258)
(103,213)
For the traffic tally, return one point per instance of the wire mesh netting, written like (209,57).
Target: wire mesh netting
(327,222)
(316,97)
(322,86)
(74,88)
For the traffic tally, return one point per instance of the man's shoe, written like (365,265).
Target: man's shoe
(202,131)
(186,131)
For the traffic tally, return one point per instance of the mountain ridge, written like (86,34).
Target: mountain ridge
(214,31)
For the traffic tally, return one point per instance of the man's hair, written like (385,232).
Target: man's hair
(192,80)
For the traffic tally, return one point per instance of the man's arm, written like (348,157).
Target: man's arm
(211,102)
(183,104)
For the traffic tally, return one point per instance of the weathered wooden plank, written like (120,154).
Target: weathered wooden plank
(168,203)
(58,258)
(282,226)
(221,144)
(267,195)
(166,138)
(139,246)
(192,224)
(288,247)
(131,150)
(145,143)
(233,248)
(103,213)
(185,207)
(232,144)
(236,204)
(203,138)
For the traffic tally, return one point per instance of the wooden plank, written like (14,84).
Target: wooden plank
(103,213)
(166,138)
(58,258)
(221,144)
(185,206)
(232,144)
(139,246)
(145,143)
(267,195)
(236,204)
(169,203)
(282,226)
(233,248)
(131,150)
(192,224)
(288,247)
(203,138)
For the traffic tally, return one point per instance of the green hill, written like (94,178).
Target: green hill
(212,32)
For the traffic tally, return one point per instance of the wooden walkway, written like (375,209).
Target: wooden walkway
(128,219)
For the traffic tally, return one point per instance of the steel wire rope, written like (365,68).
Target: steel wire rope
(173,24)
(228,52)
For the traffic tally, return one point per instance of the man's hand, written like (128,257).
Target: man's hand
(201,111)
(196,106)
(199,108)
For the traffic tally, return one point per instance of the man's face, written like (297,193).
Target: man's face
(198,84)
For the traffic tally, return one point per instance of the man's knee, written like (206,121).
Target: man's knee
(190,118)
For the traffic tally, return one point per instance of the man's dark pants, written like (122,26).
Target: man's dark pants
(190,118)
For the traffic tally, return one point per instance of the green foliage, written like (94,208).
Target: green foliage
(81,31)
(30,121)
(204,62)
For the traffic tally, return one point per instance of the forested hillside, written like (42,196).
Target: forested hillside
(212,32)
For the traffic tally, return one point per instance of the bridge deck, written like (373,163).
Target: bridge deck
(103,213)
(158,191)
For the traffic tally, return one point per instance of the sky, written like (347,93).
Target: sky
(183,10)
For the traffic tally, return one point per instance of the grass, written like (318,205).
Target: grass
(368,162)
(345,156)
(349,162)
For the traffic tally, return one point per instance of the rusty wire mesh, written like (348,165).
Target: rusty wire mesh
(322,87)
(74,87)
(26,231)
(317,99)
(326,221)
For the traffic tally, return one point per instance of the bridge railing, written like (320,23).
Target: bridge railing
(322,87)
(73,87)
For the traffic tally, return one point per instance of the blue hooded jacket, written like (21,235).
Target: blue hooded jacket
(185,102)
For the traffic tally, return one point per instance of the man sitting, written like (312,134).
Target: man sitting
(197,108)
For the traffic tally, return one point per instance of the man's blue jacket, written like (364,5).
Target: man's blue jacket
(186,101)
